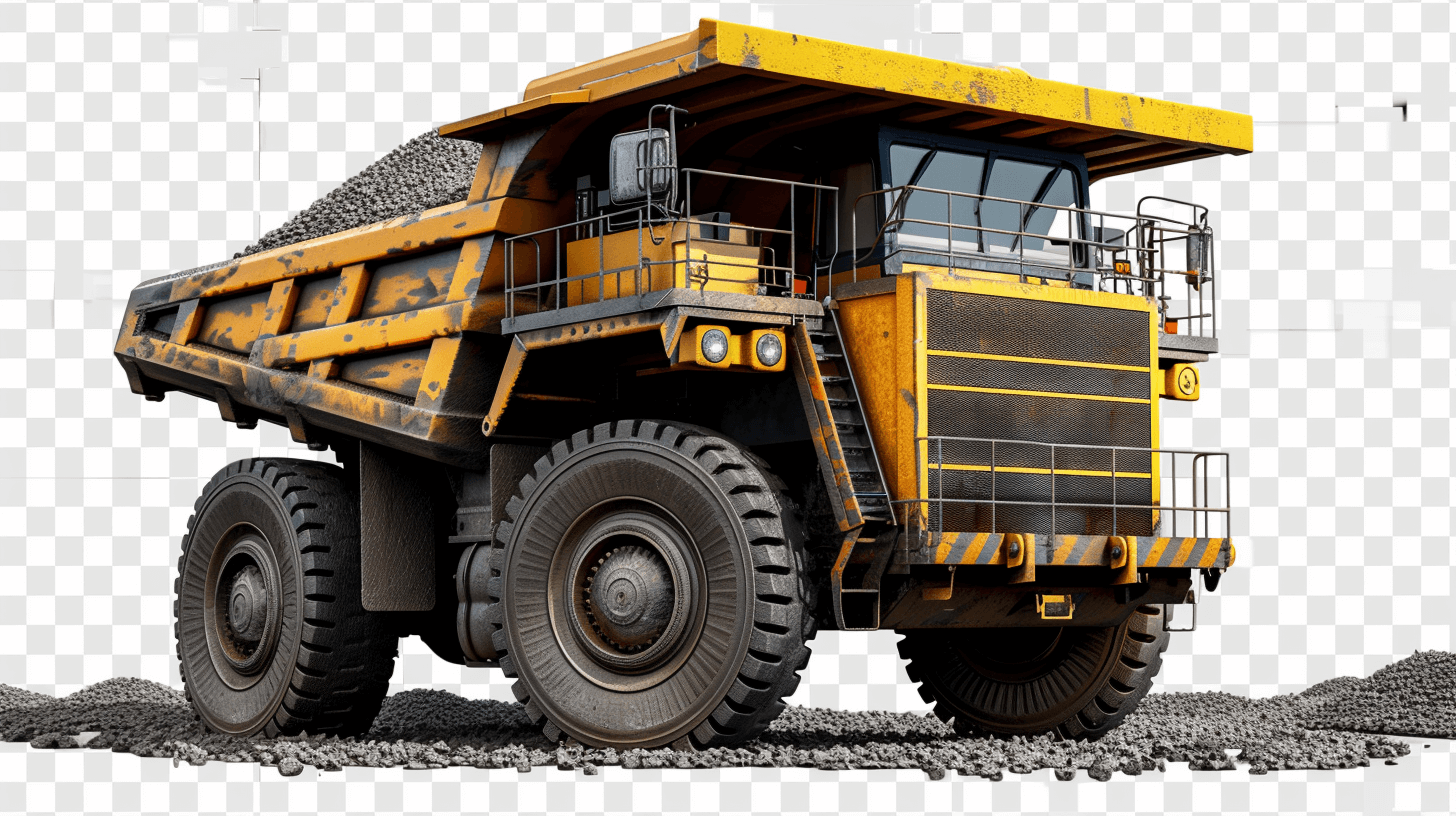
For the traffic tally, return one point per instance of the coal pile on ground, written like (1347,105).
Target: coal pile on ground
(1415,697)
(427,171)
(1328,726)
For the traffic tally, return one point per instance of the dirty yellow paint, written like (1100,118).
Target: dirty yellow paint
(483,170)
(282,301)
(348,298)
(531,108)
(397,372)
(515,360)
(652,259)
(364,335)
(475,254)
(872,336)
(441,360)
(1003,94)
(349,295)
(189,318)
(233,323)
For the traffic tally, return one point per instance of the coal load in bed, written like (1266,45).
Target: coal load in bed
(1323,728)
(427,171)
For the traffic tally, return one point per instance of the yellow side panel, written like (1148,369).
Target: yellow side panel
(396,372)
(414,283)
(717,266)
(233,323)
(870,340)
(314,299)
(621,251)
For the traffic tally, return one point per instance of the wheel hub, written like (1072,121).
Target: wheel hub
(247,610)
(633,599)
(244,617)
(630,597)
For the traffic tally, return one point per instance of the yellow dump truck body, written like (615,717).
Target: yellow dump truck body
(723,325)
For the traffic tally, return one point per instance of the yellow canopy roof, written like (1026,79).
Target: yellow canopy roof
(748,67)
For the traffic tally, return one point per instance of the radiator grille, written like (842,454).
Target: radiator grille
(1061,379)
(1020,327)
(1104,406)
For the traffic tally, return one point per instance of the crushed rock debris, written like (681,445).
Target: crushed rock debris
(1328,726)
(427,171)
(1415,697)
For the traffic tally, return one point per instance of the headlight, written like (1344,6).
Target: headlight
(769,349)
(715,345)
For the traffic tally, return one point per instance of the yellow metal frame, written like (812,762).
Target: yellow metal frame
(892,415)
(1137,552)
(1006,94)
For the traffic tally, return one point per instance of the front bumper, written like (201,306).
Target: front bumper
(995,549)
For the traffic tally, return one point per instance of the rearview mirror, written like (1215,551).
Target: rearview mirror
(642,162)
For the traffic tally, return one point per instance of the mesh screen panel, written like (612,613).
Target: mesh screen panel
(1043,419)
(1103,382)
(1025,455)
(1019,327)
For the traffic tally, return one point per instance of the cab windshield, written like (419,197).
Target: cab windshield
(931,219)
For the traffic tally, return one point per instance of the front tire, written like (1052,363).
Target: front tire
(1079,683)
(651,590)
(271,633)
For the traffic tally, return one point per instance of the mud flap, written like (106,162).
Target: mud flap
(396,531)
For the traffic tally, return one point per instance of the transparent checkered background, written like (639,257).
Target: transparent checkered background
(141,138)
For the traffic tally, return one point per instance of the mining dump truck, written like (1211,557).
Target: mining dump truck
(736,337)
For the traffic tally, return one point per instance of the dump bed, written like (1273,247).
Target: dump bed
(352,333)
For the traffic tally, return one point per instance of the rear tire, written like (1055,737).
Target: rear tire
(1079,683)
(651,590)
(271,633)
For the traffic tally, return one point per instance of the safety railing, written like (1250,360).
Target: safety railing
(1146,254)
(1182,486)
(543,281)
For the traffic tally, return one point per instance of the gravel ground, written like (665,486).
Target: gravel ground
(1324,727)
(427,171)
(1415,697)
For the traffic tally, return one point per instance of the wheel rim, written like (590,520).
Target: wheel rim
(596,685)
(241,612)
(625,594)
